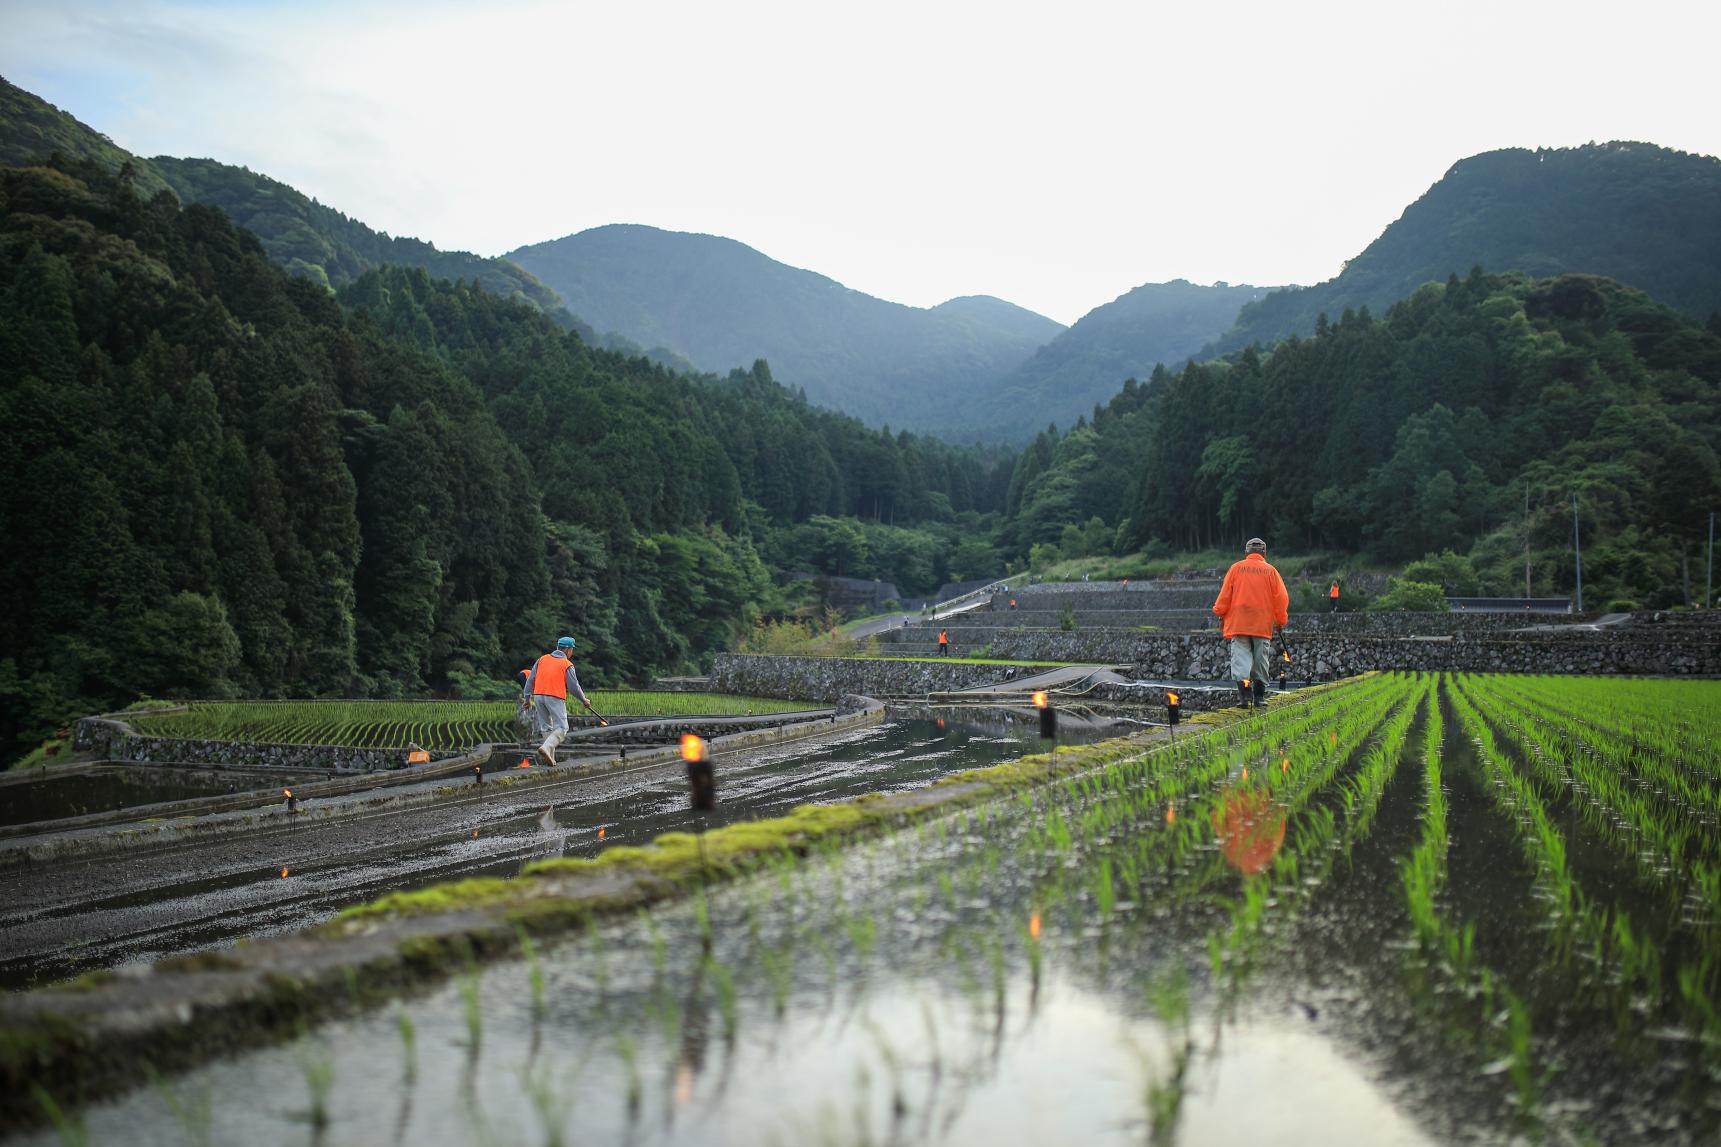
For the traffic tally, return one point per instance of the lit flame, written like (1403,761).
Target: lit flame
(1040,699)
(1170,813)
(474,834)
(1286,654)
(283,872)
(1034,925)
(1171,699)
(1285,765)
(1245,772)
(600,832)
(288,793)
(1245,682)
(524,764)
(692,747)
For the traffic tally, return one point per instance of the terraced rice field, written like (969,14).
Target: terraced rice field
(1409,909)
(432,724)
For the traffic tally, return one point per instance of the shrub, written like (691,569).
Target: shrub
(1404,596)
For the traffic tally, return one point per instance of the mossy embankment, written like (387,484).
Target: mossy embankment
(81,1041)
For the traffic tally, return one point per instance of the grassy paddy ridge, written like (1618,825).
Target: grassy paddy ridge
(1109,953)
(432,724)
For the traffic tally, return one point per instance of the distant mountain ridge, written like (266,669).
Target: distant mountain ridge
(306,237)
(1645,215)
(724,304)
(1126,338)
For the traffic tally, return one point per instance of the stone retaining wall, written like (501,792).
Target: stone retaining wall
(1324,658)
(830,678)
(978,628)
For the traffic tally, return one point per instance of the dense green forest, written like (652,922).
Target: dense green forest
(1416,433)
(1645,215)
(1126,338)
(719,303)
(221,479)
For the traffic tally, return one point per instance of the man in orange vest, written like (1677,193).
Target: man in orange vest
(944,643)
(1333,593)
(1252,605)
(547,686)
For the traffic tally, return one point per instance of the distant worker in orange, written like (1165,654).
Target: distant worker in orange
(1333,594)
(944,643)
(1252,605)
(1012,603)
(547,686)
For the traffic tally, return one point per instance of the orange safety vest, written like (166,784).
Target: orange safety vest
(550,676)
(1334,592)
(1253,599)
(943,638)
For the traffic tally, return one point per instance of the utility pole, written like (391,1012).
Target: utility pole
(1577,553)
(1526,540)
(1709,577)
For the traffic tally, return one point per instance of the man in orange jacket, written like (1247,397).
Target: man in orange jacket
(1252,605)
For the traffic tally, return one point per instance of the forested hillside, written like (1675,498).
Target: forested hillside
(215,478)
(721,303)
(1415,433)
(1126,338)
(1645,215)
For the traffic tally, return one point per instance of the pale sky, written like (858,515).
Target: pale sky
(1053,154)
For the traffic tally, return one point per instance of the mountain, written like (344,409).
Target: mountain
(319,242)
(32,129)
(1647,216)
(723,304)
(1155,323)
(301,234)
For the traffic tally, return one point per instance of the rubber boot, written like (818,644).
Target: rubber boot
(1260,694)
(1242,695)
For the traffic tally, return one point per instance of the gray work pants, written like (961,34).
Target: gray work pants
(550,717)
(1249,658)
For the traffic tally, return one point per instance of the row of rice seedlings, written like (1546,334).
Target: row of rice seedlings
(1676,722)
(1645,753)
(1626,816)
(1449,947)
(1635,964)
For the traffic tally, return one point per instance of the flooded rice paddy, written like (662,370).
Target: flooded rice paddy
(57,921)
(1408,910)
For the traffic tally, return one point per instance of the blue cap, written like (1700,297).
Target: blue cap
(565,643)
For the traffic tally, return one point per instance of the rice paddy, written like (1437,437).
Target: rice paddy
(434,725)
(1414,908)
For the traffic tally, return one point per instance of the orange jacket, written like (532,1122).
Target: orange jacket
(1253,599)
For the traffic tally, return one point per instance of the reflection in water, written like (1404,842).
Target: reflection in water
(1250,828)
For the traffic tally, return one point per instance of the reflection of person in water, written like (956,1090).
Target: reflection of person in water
(1250,828)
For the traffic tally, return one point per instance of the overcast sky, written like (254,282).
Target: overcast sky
(1055,155)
